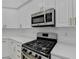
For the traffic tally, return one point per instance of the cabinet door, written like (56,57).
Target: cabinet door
(18,50)
(74,8)
(13,49)
(3,19)
(61,13)
(72,13)
(5,48)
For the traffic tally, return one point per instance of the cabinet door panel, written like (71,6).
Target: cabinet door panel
(13,49)
(18,50)
(5,48)
(70,9)
(61,13)
(74,8)
(72,12)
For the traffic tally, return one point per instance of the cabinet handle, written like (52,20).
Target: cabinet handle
(18,56)
(18,51)
(72,21)
(18,45)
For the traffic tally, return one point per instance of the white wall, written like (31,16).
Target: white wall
(9,17)
(24,13)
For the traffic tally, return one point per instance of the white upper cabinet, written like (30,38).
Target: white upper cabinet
(74,8)
(5,48)
(74,11)
(15,49)
(61,13)
(64,13)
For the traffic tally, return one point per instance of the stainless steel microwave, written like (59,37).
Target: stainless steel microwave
(43,18)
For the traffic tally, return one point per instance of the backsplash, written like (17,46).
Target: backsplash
(66,35)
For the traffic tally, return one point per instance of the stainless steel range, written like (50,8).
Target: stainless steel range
(41,47)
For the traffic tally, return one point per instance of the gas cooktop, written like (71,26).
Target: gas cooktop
(43,44)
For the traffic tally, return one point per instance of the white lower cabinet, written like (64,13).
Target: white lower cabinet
(5,48)
(18,50)
(15,50)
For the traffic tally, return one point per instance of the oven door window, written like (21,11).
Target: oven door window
(38,19)
(48,17)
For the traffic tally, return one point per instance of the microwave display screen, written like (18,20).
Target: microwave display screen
(48,17)
(38,19)
(45,34)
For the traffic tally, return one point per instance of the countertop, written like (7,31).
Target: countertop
(64,51)
(60,50)
(21,39)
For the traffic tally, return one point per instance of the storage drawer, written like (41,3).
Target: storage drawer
(18,44)
(18,56)
(18,48)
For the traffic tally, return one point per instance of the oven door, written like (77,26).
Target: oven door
(27,56)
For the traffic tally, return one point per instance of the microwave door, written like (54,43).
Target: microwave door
(38,19)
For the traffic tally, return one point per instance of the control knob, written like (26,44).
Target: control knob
(24,50)
(30,53)
(36,55)
(39,57)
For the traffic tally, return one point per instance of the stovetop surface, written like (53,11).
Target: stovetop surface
(44,46)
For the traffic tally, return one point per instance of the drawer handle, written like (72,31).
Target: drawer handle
(18,56)
(18,50)
(18,45)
